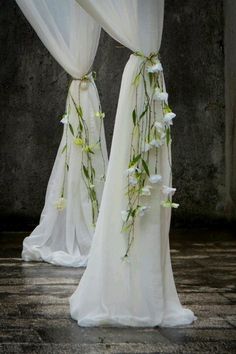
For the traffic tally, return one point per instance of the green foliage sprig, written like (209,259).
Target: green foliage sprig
(81,138)
(149,135)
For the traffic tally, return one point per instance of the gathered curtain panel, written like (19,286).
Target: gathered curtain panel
(129,281)
(66,227)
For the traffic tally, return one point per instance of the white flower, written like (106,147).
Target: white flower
(168,190)
(146,190)
(60,204)
(168,117)
(124,215)
(100,115)
(174,205)
(130,171)
(156,143)
(160,96)
(155,68)
(133,181)
(169,204)
(159,127)
(147,147)
(142,209)
(155,178)
(65,119)
(163,136)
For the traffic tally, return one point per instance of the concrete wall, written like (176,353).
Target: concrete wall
(193,54)
(230,101)
(32,97)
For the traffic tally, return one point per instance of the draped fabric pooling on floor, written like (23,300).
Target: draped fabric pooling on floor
(141,290)
(65,231)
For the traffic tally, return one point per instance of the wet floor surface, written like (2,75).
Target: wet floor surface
(34,311)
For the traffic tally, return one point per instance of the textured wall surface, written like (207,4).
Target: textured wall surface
(193,54)
(230,105)
(32,98)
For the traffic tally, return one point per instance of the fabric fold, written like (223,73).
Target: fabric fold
(137,290)
(65,231)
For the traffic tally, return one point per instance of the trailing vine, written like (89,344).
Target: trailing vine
(151,131)
(81,138)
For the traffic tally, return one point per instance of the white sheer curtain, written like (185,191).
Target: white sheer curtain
(65,231)
(140,291)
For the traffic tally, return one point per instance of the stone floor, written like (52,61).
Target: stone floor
(34,312)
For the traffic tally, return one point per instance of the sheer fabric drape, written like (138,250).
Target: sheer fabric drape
(64,234)
(141,291)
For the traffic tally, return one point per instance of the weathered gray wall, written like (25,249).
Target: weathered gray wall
(230,111)
(194,65)
(32,96)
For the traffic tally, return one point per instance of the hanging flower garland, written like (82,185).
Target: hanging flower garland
(149,135)
(81,138)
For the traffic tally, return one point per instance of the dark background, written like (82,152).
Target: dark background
(33,90)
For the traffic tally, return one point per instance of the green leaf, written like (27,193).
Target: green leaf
(85,172)
(93,172)
(128,215)
(93,194)
(126,228)
(151,76)
(64,149)
(94,75)
(134,116)
(71,129)
(90,151)
(135,160)
(167,108)
(139,54)
(144,112)
(81,126)
(80,111)
(168,136)
(145,166)
(136,80)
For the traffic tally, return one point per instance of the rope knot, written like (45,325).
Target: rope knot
(86,80)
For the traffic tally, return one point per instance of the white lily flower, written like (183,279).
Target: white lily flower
(133,181)
(146,190)
(163,136)
(168,118)
(124,215)
(147,147)
(143,209)
(159,127)
(169,204)
(65,119)
(155,142)
(155,68)
(130,171)
(160,95)
(174,205)
(168,190)
(60,204)
(155,178)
